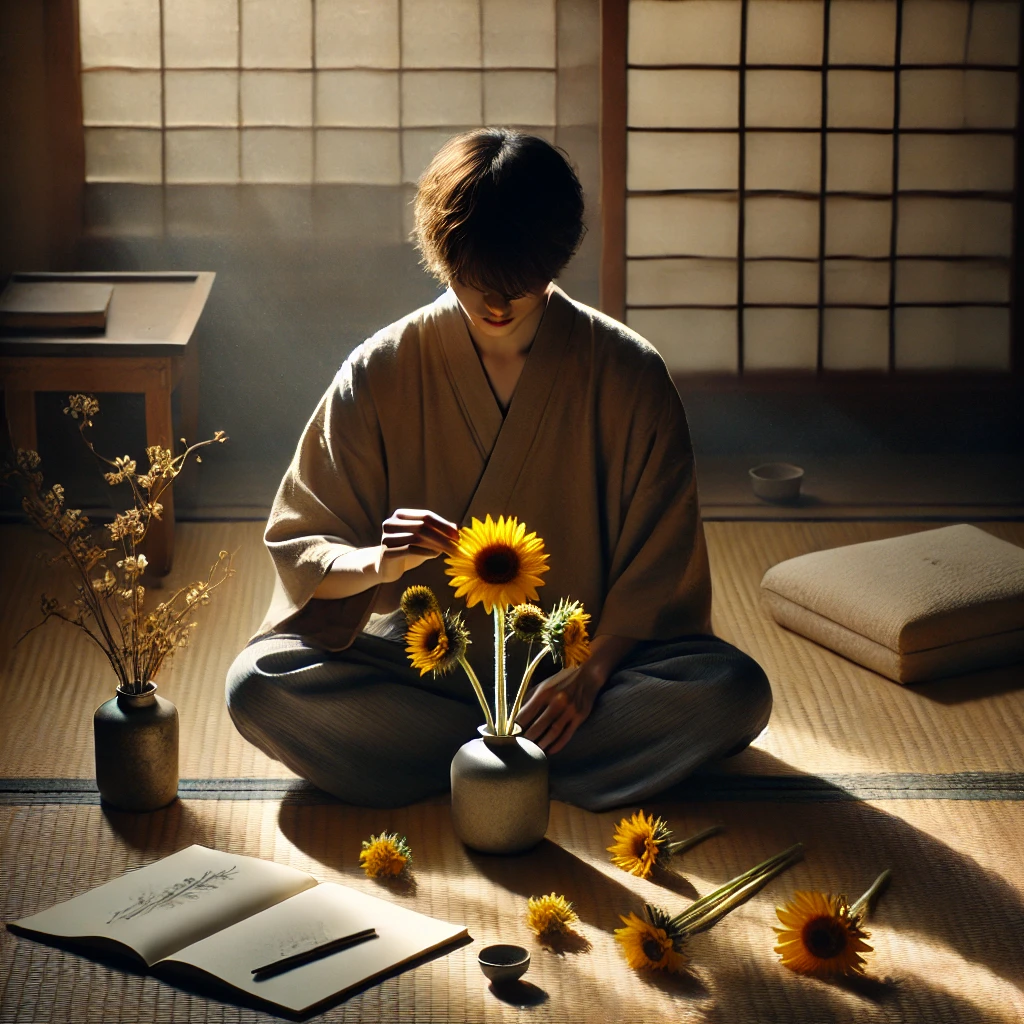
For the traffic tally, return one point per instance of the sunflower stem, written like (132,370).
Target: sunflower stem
(500,707)
(703,921)
(868,900)
(724,891)
(479,691)
(524,685)
(682,845)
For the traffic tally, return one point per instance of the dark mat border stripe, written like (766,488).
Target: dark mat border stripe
(788,788)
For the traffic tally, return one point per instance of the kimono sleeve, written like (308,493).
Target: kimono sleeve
(659,580)
(330,501)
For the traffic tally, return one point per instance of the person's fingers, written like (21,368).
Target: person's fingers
(567,734)
(556,706)
(557,729)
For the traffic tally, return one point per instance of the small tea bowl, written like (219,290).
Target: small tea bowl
(504,963)
(777,481)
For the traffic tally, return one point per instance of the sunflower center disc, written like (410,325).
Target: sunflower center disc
(824,938)
(497,565)
(652,950)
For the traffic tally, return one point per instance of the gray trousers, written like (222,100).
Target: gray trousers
(363,724)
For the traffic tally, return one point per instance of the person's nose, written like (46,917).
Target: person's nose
(497,305)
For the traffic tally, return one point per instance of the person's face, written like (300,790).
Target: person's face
(495,315)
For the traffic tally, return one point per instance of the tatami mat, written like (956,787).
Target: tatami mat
(946,935)
(831,716)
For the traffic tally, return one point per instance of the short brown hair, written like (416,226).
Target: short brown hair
(498,210)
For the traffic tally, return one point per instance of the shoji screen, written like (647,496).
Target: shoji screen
(822,184)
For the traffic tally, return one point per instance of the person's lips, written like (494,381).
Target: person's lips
(498,323)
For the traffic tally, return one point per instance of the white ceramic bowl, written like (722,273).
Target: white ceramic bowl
(504,963)
(777,481)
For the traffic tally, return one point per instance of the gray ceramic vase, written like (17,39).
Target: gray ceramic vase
(137,750)
(500,798)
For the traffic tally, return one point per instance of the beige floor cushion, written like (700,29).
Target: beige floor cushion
(917,607)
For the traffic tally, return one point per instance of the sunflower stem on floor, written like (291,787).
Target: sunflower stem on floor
(868,900)
(687,844)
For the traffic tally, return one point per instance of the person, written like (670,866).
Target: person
(504,396)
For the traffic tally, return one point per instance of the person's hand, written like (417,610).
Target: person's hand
(411,536)
(558,706)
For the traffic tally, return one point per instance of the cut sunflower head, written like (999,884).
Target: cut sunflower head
(417,601)
(385,855)
(638,843)
(820,936)
(565,633)
(498,563)
(458,640)
(427,642)
(527,622)
(549,915)
(652,942)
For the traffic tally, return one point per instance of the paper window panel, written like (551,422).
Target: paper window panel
(682,282)
(121,98)
(991,99)
(434,98)
(123,154)
(781,227)
(855,339)
(119,33)
(200,33)
(780,160)
(441,33)
(857,227)
(578,102)
(780,282)
(783,99)
(859,163)
(958,99)
(277,98)
(518,35)
(202,156)
(780,339)
(856,282)
(681,225)
(995,31)
(420,145)
(860,99)
(683,99)
(201,98)
(785,31)
(954,227)
(862,32)
(690,340)
(361,99)
(277,34)
(953,281)
(519,97)
(358,157)
(956,162)
(964,338)
(695,32)
(934,31)
(277,155)
(661,160)
(357,34)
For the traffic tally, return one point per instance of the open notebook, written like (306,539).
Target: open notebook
(202,912)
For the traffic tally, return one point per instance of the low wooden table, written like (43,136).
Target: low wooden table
(147,349)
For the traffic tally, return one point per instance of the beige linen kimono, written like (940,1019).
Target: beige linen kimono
(593,454)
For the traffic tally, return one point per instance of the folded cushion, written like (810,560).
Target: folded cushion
(917,607)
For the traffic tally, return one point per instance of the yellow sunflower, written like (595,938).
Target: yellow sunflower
(427,642)
(649,947)
(387,854)
(417,601)
(548,915)
(638,843)
(821,936)
(497,563)
(565,633)
(527,622)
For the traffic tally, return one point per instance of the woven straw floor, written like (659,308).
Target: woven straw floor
(925,780)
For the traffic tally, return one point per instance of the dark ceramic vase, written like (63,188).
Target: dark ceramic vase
(500,800)
(137,750)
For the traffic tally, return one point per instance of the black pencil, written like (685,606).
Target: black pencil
(325,948)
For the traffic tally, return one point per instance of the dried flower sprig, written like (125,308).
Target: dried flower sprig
(386,855)
(644,842)
(550,916)
(109,607)
(658,940)
(822,935)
